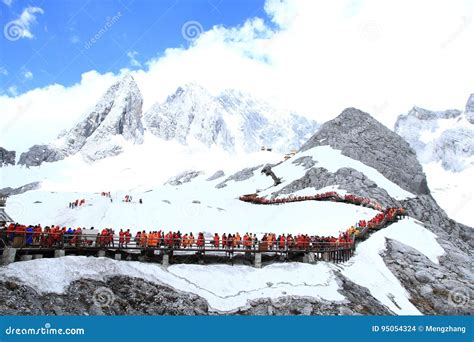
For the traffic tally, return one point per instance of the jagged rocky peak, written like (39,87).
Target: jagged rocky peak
(117,113)
(359,136)
(7,157)
(232,120)
(470,109)
(440,136)
(470,104)
(424,114)
(190,113)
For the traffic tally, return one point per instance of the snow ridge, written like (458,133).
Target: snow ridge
(233,120)
(115,120)
(440,136)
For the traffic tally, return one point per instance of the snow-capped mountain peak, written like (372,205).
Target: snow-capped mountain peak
(232,120)
(115,119)
(440,136)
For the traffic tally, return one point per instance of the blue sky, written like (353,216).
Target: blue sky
(315,58)
(58,44)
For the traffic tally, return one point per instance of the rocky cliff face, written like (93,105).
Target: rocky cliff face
(232,120)
(429,284)
(440,136)
(361,137)
(115,119)
(7,157)
(133,296)
(470,105)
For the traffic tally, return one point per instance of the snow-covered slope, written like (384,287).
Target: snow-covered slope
(233,120)
(444,144)
(219,209)
(114,122)
(453,191)
(443,136)
(353,154)
(243,283)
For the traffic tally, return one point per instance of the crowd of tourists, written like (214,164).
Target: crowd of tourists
(19,235)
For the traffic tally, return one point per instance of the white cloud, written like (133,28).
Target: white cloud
(12,90)
(39,115)
(26,19)
(3,71)
(27,74)
(8,2)
(75,39)
(316,58)
(133,60)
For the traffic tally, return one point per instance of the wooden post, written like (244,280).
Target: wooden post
(58,253)
(166,260)
(26,257)
(258,260)
(8,255)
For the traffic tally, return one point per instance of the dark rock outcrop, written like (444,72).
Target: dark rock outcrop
(7,157)
(184,177)
(38,154)
(117,296)
(216,175)
(122,295)
(346,178)
(361,137)
(117,113)
(434,288)
(20,190)
(239,176)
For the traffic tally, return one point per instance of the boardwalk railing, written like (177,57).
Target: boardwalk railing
(48,240)
(82,241)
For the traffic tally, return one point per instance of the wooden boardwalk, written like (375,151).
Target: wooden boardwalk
(310,252)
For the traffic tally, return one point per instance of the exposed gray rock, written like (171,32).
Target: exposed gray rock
(118,113)
(345,133)
(358,301)
(233,120)
(307,162)
(184,177)
(361,137)
(124,296)
(452,143)
(20,190)
(217,174)
(239,176)
(7,157)
(346,178)
(134,296)
(470,104)
(38,154)
(434,289)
